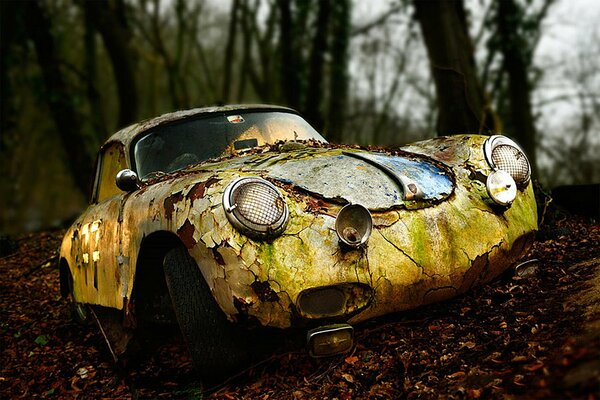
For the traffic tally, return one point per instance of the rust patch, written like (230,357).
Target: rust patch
(476,175)
(170,202)
(264,291)
(444,153)
(523,243)
(243,317)
(475,272)
(316,205)
(186,234)
(240,305)
(218,257)
(199,189)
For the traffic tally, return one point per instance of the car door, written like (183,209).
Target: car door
(97,239)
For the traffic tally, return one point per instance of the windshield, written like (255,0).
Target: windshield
(175,146)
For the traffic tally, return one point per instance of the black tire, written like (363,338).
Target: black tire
(80,312)
(218,348)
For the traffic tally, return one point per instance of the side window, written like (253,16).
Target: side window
(111,161)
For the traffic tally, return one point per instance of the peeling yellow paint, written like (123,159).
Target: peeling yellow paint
(419,253)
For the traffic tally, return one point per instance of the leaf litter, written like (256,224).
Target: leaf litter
(532,333)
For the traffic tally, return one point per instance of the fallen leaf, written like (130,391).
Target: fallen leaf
(348,378)
(456,375)
(534,367)
(42,340)
(351,360)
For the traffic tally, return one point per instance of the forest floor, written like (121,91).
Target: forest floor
(532,333)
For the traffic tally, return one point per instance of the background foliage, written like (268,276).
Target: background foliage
(385,72)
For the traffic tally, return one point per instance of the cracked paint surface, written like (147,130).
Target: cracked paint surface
(420,251)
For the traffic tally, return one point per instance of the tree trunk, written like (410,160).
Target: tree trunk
(515,65)
(109,19)
(59,98)
(11,18)
(338,81)
(460,100)
(312,107)
(229,51)
(91,69)
(290,63)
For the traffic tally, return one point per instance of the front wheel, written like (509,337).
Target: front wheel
(217,347)
(80,312)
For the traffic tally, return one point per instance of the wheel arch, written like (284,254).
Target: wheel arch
(65,277)
(149,284)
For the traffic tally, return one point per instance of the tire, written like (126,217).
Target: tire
(217,347)
(80,312)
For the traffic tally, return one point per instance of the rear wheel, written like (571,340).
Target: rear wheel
(216,346)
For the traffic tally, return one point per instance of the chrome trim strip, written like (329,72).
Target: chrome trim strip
(410,189)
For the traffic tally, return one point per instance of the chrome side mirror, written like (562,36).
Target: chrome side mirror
(127,180)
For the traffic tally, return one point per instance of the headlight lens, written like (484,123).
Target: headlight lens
(504,154)
(255,207)
(501,187)
(353,225)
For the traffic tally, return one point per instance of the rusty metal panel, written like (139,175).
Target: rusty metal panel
(435,183)
(413,257)
(340,178)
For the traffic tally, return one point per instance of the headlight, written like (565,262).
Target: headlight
(353,225)
(255,207)
(504,154)
(501,187)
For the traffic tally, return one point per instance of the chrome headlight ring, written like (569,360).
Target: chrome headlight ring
(255,207)
(502,153)
(353,225)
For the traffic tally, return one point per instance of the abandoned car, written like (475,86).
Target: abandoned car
(240,220)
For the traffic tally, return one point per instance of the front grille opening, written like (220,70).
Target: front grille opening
(321,303)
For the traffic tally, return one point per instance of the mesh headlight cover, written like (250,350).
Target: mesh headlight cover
(504,154)
(255,207)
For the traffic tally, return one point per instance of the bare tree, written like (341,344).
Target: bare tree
(338,81)
(91,72)
(229,50)
(111,22)
(460,99)
(291,62)
(58,95)
(313,100)
(516,64)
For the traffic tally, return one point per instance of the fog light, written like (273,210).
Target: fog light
(501,187)
(353,225)
(330,340)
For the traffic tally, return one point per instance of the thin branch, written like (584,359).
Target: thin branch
(361,30)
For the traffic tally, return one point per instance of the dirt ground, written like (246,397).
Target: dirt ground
(533,333)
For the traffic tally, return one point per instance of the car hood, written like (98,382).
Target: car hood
(378,181)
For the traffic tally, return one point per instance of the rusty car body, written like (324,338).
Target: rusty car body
(275,228)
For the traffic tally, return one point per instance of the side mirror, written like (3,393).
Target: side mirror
(127,180)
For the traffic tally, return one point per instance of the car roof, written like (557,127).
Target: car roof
(126,135)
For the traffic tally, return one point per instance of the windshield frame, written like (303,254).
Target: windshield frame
(209,115)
